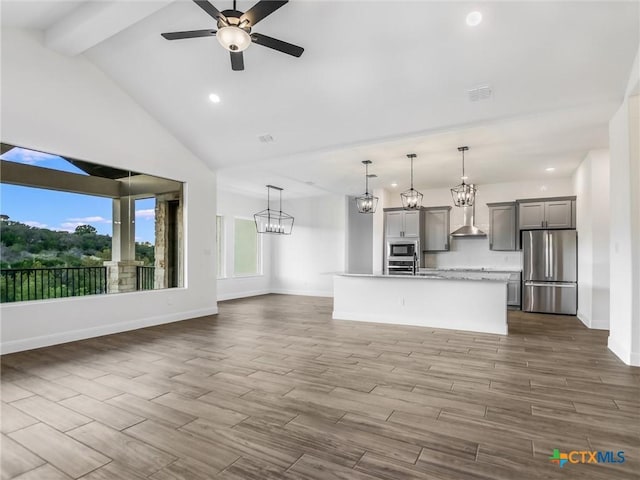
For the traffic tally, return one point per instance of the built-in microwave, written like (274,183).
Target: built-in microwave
(402,249)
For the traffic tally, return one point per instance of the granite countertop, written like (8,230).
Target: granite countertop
(443,275)
(472,269)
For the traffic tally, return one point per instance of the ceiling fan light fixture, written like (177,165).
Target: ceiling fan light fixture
(233,38)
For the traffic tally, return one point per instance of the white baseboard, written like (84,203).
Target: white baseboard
(307,293)
(623,353)
(584,319)
(600,324)
(250,293)
(82,334)
(591,323)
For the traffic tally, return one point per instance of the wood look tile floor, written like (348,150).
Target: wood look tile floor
(272,388)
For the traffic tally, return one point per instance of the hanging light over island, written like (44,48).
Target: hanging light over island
(411,199)
(367,203)
(464,194)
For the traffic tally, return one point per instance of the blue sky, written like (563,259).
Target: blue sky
(61,210)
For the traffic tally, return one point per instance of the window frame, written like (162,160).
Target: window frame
(221,247)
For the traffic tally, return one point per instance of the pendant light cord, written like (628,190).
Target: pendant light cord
(366,179)
(411,173)
(462,166)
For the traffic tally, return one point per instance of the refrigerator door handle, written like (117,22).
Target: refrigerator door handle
(546,254)
(550,284)
(550,254)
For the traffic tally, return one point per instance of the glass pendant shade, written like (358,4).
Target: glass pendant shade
(411,199)
(271,221)
(367,203)
(233,38)
(464,195)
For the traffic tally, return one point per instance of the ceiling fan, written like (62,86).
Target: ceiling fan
(234,30)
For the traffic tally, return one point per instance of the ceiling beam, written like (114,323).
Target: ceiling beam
(39,177)
(94,22)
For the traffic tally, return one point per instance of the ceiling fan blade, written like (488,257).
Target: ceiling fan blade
(237,61)
(261,10)
(189,34)
(210,9)
(276,44)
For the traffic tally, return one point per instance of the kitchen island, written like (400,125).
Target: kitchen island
(458,300)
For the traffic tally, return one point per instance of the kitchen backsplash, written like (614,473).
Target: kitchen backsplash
(473,252)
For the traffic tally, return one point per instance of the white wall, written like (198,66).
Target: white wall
(359,254)
(233,205)
(474,252)
(305,262)
(591,186)
(67,106)
(624,139)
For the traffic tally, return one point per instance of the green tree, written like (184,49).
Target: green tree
(86,229)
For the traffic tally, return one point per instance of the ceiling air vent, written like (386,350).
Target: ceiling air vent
(482,92)
(265,138)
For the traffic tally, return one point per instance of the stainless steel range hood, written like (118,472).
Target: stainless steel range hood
(469,229)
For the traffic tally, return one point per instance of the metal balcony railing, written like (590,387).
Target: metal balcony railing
(21,284)
(145,278)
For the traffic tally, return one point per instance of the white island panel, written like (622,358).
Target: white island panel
(459,304)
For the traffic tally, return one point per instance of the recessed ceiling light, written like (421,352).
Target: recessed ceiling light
(394,184)
(474,18)
(214,98)
(550,169)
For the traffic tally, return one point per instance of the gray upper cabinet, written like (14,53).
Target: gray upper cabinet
(502,226)
(546,213)
(531,215)
(412,224)
(436,226)
(559,214)
(395,223)
(402,223)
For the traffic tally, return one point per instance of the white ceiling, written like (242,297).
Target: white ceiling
(377,80)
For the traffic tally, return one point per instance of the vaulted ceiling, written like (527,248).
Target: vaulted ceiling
(377,80)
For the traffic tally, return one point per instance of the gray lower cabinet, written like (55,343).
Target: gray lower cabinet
(547,213)
(513,290)
(436,229)
(502,226)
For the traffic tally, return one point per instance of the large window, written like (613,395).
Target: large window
(246,248)
(220,245)
(69,227)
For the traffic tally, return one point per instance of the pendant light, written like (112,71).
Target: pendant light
(275,222)
(464,195)
(367,203)
(411,199)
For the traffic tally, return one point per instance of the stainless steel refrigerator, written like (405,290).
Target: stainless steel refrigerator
(550,271)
